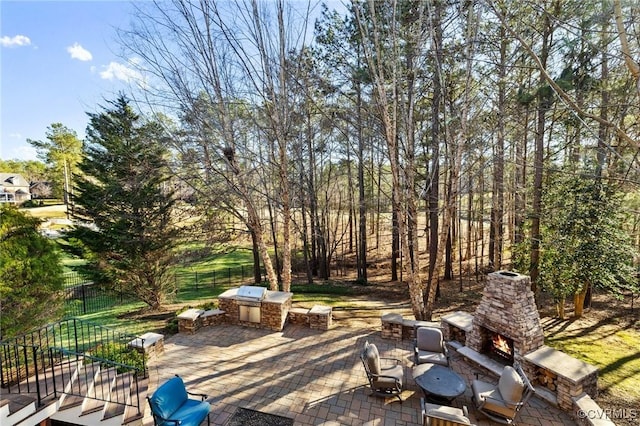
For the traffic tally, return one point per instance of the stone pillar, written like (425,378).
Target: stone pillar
(392,326)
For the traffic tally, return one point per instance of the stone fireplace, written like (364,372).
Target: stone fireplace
(506,324)
(506,328)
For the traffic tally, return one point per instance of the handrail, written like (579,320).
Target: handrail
(54,334)
(106,389)
(27,362)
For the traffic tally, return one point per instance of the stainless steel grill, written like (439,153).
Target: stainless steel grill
(249,298)
(249,295)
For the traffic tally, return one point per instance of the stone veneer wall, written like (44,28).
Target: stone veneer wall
(272,315)
(508,307)
(230,307)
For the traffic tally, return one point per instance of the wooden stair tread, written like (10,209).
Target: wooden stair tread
(99,394)
(121,391)
(16,402)
(78,389)
(62,369)
(131,413)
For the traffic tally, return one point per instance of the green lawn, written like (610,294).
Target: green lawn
(56,211)
(614,349)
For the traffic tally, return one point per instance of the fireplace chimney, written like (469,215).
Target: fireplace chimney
(508,308)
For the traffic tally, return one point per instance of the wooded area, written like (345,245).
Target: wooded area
(447,137)
(461,112)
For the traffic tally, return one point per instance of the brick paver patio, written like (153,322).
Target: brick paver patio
(313,376)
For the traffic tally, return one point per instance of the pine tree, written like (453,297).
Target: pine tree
(125,192)
(584,244)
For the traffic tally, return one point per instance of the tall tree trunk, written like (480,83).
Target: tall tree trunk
(387,107)
(362,201)
(434,181)
(257,271)
(497,205)
(544,103)
(282,130)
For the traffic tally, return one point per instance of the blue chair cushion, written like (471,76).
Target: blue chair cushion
(191,413)
(168,398)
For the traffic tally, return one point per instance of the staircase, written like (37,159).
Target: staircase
(55,373)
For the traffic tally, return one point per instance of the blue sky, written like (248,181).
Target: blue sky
(58,61)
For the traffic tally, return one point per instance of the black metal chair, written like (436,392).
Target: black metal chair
(443,415)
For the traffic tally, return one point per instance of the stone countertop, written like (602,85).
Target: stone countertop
(277,296)
(229,294)
(460,319)
(560,363)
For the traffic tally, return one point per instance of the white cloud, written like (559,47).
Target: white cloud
(15,41)
(80,53)
(15,135)
(25,152)
(118,71)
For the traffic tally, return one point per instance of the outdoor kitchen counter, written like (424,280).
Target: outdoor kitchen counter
(255,306)
(270,296)
(279,297)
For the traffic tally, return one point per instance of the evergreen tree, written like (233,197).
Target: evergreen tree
(125,192)
(583,242)
(61,152)
(31,277)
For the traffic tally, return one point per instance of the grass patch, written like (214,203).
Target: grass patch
(120,318)
(614,350)
(331,294)
(56,211)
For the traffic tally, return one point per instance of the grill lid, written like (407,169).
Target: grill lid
(250,292)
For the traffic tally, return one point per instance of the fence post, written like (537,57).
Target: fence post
(214,278)
(84,300)
(75,334)
(229,275)
(196,280)
(35,366)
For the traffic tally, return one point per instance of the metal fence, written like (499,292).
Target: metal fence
(88,298)
(84,297)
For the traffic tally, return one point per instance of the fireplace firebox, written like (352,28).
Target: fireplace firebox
(498,347)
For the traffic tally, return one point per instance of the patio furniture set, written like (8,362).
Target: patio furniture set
(441,385)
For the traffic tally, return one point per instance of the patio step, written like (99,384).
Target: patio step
(98,394)
(121,388)
(79,385)
(114,391)
(15,408)
(131,414)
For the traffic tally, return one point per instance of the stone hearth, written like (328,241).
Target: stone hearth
(507,307)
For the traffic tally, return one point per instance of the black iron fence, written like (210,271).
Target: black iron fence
(89,297)
(84,297)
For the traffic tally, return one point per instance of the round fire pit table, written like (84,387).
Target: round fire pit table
(439,383)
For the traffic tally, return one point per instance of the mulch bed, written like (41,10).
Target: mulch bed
(247,417)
